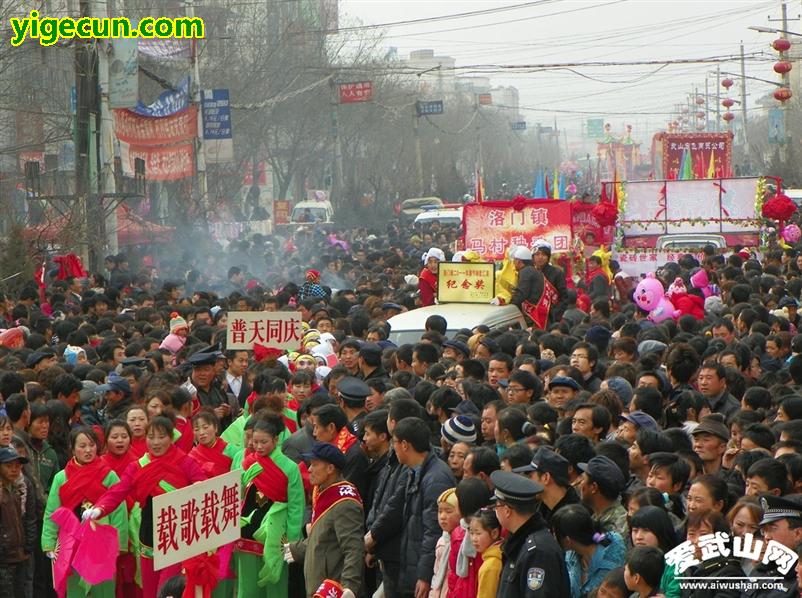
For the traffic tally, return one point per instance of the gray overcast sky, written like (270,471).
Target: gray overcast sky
(559,31)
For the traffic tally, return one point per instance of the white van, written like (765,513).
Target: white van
(311,212)
(408,327)
(450,217)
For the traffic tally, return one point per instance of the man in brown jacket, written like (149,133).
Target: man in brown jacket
(334,548)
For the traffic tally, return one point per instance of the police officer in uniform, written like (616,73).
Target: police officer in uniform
(352,393)
(534,564)
(782,523)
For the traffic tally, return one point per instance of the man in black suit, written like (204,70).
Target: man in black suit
(236,376)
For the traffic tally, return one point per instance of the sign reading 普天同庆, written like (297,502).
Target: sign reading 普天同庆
(465,283)
(196,519)
(270,329)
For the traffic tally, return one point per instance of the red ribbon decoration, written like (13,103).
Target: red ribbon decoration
(201,571)
(260,352)
(723,191)
(661,201)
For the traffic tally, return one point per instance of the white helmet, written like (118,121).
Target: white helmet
(520,253)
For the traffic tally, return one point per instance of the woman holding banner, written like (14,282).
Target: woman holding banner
(163,468)
(76,488)
(272,509)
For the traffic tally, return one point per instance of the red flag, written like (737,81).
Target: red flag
(479,192)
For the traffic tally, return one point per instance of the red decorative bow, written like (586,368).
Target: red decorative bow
(260,352)
(201,571)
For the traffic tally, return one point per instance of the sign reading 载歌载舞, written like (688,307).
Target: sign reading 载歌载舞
(465,282)
(272,329)
(196,519)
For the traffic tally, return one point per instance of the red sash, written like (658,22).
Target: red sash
(84,482)
(344,440)
(187,438)
(211,459)
(139,447)
(331,496)
(272,482)
(118,463)
(539,314)
(160,469)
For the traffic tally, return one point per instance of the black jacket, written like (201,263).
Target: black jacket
(385,485)
(413,511)
(534,564)
(530,286)
(712,568)
(789,583)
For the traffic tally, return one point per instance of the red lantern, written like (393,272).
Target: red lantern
(727,102)
(700,100)
(700,114)
(781,44)
(728,116)
(684,110)
(780,207)
(783,94)
(727,83)
(782,67)
(605,213)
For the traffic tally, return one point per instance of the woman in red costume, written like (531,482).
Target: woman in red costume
(161,469)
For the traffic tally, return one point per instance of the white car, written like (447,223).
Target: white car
(450,217)
(408,327)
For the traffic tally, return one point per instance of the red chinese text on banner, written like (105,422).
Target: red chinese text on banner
(162,163)
(492,227)
(271,329)
(360,91)
(142,130)
(196,519)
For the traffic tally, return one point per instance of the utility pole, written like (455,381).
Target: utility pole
(784,107)
(106,181)
(418,156)
(743,103)
(337,182)
(200,155)
(718,98)
(89,207)
(707,106)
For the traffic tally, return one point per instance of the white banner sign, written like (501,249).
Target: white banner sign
(271,329)
(196,519)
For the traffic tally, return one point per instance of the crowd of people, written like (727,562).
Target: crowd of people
(600,454)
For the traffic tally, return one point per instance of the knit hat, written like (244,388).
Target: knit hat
(449,497)
(699,279)
(71,354)
(714,305)
(676,287)
(459,428)
(313,276)
(411,280)
(177,322)
(11,336)
(436,253)
(621,387)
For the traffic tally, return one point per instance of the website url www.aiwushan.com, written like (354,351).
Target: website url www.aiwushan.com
(48,30)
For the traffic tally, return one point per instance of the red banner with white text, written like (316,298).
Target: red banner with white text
(491,228)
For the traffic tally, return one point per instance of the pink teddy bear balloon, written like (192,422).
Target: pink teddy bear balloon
(791,234)
(650,296)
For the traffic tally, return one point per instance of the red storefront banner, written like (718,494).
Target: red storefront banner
(162,163)
(138,130)
(586,228)
(491,228)
(360,91)
(668,148)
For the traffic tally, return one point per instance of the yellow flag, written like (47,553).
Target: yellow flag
(506,279)
(711,170)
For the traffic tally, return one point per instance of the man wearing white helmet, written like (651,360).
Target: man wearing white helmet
(529,289)
(427,281)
